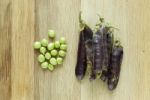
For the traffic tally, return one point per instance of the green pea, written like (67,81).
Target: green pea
(62,53)
(50,46)
(44,42)
(53,61)
(51,33)
(44,65)
(50,67)
(43,50)
(59,60)
(57,44)
(48,55)
(62,40)
(37,45)
(41,58)
(63,47)
(54,52)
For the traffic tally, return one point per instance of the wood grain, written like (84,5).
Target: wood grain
(5,50)
(57,15)
(24,21)
(22,71)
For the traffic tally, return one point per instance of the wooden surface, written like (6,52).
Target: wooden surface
(24,21)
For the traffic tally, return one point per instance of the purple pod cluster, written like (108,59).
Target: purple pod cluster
(102,52)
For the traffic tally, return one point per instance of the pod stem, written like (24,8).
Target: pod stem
(101,19)
(81,22)
(99,23)
(111,27)
(117,43)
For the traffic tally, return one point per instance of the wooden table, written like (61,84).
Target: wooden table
(24,21)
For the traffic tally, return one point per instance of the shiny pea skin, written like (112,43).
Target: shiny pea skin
(51,33)
(47,55)
(37,45)
(62,53)
(50,67)
(62,40)
(41,58)
(44,65)
(54,52)
(63,47)
(57,44)
(43,50)
(59,60)
(50,46)
(53,61)
(44,42)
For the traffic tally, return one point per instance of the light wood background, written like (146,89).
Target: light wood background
(24,21)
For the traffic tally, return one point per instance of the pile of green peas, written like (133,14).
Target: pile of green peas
(51,54)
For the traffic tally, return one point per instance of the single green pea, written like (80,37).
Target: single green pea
(54,52)
(59,60)
(43,50)
(41,58)
(62,40)
(63,47)
(48,55)
(37,45)
(44,42)
(62,53)
(44,65)
(50,46)
(57,44)
(53,61)
(51,33)
(50,67)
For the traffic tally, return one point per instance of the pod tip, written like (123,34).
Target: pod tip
(111,87)
(79,77)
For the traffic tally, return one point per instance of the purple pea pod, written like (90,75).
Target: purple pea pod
(115,67)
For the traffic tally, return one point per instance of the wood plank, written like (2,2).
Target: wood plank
(5,50)
(61,16)
(22,50)
(131,17)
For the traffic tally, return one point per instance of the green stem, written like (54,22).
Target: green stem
(81,22)
(101,19)
(117,43)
